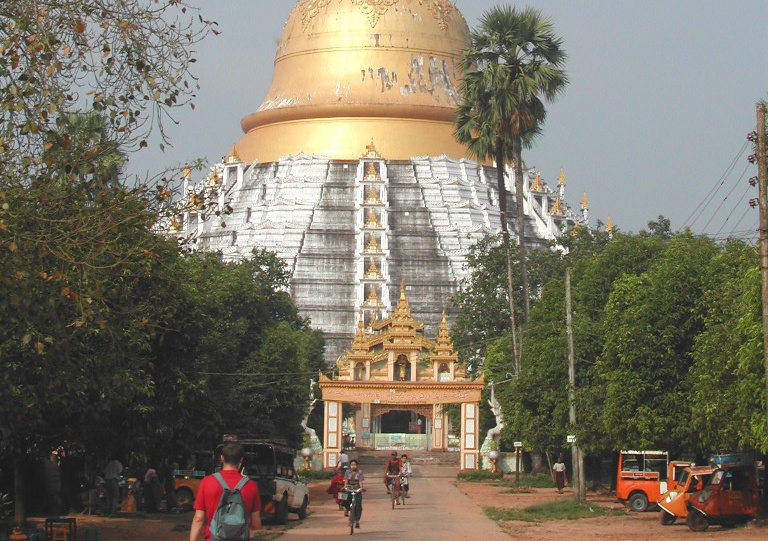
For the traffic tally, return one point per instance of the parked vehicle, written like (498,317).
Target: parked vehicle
(731,497)
(269,462)
(643,476)
(674,503)
(186,482)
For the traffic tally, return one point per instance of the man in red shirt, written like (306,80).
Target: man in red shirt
(209,494)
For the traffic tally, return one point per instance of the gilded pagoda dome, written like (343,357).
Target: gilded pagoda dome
(348,72)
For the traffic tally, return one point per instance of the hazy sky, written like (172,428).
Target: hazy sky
(654,121)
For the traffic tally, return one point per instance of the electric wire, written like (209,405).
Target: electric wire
(699,210)
(737,204)
(715,213)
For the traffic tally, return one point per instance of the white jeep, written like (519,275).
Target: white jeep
(269,463)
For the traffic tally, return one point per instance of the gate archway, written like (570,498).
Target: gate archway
(393,367)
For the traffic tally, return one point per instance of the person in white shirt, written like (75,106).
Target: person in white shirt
(559,469)
(405,473)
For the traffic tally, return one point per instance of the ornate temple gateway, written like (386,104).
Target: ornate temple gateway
(349,171)
(392,368)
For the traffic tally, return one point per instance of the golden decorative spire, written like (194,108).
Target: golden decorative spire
(214,179)
(584,202)
(371,175)
(609,225)
(537,185)
(370,152)
(373,221)
(561,178)
(402,310)
(187,171)
(443,344)
(373,247)
(557,208)
(373,272)
(373,197)
(373,298)
(174,226)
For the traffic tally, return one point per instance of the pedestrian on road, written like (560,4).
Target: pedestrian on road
(559,469)
(112,472)
(210,491)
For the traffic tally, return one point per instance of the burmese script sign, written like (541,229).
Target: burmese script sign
(401,393)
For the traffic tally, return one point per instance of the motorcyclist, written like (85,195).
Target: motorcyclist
(392,471)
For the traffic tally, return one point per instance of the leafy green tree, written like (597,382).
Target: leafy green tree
(483,302)
(725,384)
(649,323)
(514,61)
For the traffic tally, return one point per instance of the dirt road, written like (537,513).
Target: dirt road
(441,509)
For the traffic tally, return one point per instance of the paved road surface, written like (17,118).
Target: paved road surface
(437,510)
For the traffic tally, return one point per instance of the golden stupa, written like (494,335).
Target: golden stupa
(351,71)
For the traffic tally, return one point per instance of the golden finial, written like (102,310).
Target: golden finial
(373,197)
(372,247)
(174,226)
(608,225)
(214,179)
(537,185)
(561,178)
(584,202)
(371,175)
(373,220)
(187,171)
(373,298)
(370,151)
(373,271)
(557,208)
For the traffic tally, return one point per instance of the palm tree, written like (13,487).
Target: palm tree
(513,62)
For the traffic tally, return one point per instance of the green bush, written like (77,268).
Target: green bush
(316,475)
(559,510)
(478,475)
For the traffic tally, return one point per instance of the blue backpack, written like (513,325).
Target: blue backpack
(230,522)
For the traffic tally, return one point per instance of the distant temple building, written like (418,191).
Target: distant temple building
(349,170)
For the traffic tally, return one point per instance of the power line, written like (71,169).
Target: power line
(725,198)
(699,210)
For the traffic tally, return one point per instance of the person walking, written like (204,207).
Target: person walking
(559,469)
(149,488)
(210,491)
(112,472)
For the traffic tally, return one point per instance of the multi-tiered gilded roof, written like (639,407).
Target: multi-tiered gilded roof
(400,337)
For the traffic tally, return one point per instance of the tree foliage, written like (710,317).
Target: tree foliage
(126,60)
(667,344)
(112,339)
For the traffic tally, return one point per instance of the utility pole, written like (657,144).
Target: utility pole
(577,460)
(762,183)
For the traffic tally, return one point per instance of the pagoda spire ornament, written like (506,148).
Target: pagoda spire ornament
(561,184)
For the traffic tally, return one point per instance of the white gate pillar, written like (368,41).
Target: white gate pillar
(332,436)
(470,432)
